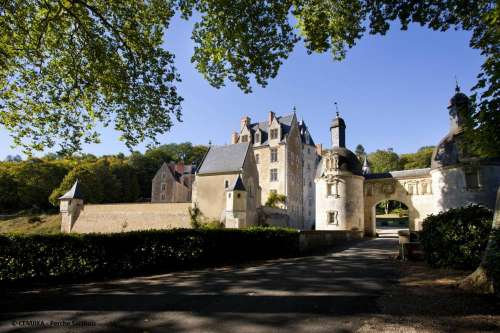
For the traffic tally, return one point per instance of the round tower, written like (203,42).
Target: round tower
(339,185)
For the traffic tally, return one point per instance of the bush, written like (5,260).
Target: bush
(494,259)
(275,200)
(456,238)
(73,256)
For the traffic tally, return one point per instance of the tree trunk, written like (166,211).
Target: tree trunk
(481,280)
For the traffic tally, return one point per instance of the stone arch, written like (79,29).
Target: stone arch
(377,190)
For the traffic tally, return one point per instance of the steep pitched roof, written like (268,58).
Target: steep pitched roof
(221,159)
(73,193)
(238,185)
(284,121)
(305,135)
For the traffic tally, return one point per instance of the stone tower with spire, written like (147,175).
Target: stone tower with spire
(339,185)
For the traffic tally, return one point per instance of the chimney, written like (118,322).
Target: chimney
(179,167)
(244,122)
(234,138)
(271,117)
(319,149)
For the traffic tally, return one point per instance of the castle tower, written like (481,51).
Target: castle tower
(337,132)
(236,204)
(70,205)
(339,185)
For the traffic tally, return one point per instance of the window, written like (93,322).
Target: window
(308,166)
(257,158)
(332,189)
(274,175)
(274,155)
(163,175)
(257,138)
(163,186)
(274,133)
(244,138)
(229,195)
(308,150)
(310,202)
(163,197)
(226,183)
(471,179)
(333,217)
(310,184)
(238,195)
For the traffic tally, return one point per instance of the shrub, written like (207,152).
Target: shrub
(73,256)
(456,238)
(275,200)
(494,259)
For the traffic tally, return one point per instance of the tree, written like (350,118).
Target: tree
(486,278)
(66,66)
(360,152)
(418,160)
(384,161)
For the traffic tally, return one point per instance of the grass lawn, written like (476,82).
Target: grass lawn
(31,224)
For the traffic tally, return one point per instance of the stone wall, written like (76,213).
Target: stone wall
(314,240)
(129,217)
(274,216)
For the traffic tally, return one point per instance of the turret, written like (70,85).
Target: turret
(337,131)
(70,205)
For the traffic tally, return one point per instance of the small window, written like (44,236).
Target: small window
(244,138)
(163,186)
(226,183)
(238,195)
(229,195)
(310,184)
(257,138)
(308,150)
(163,175)
(274,175)
(332,189)
(163,197)
(274,155)
(274,133)
(471,179)
(257,158)
(333,217)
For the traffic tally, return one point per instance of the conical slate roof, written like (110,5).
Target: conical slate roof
(73,193)
(366,167)
(238,185)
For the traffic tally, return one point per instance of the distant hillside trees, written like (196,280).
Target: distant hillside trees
(387,160)
(37,183)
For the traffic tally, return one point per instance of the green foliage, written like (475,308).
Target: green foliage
(194,217)
(384,161)
(420,159)
(275,200)
(37,183)
(72,256)
(66,66)
(456,238)
(493,259)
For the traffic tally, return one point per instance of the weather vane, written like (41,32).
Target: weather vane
(457,88)
(336,108)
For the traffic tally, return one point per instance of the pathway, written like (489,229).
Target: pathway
(327,293)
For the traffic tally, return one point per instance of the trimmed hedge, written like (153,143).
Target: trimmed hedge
(456,238)
(73,256)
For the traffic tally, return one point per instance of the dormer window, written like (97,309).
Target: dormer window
(244,138)
(274,133)
(257,138)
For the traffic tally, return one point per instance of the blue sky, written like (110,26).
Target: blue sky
(392,92)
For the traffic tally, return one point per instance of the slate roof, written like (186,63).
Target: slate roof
(286,126)
(73,193)
(263,126)
(221,159)
(399,174)
(238,185)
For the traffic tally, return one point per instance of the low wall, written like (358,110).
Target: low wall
(314,240)
(276,217)
(129,217)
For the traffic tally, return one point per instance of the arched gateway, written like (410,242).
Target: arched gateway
(346,192)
